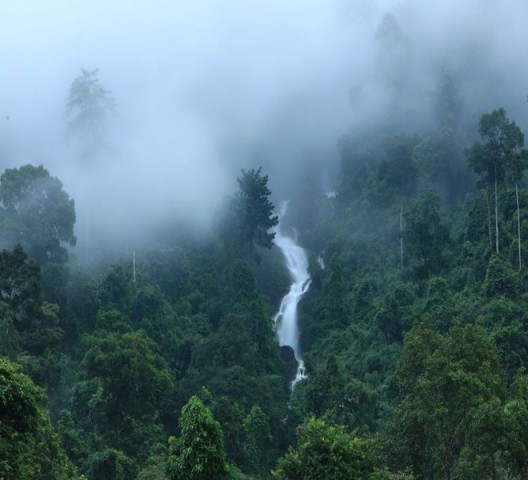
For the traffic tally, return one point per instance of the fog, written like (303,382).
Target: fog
(208,87)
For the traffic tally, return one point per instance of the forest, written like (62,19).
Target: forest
(138,348)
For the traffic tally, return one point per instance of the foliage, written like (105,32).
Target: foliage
(36,213)
(110,465)
(326,451)
(502,156)
(250,215)
(503,143)
(501,279)
(132,381)
(445,382)
(19,285)
(397,173)
(198,453)
(418,367)
(29,447)
(426,237)
(257,442)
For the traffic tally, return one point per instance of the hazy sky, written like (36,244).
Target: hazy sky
(206,87)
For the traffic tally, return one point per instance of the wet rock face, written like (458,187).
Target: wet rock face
(288,357)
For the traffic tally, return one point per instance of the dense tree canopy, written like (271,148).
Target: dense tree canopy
(414,331)
(502,156)
(29,446)
(19,284)
(447,383)
(426,237)
(37,213)
(326,451)
(198,453)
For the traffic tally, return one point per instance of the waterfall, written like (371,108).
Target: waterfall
(286,324)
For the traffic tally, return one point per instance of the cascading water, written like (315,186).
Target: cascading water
(286,324)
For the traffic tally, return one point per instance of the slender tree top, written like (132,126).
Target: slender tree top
(502,153)
(88,106)
(254,209)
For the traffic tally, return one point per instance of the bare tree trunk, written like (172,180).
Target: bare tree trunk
(489,219)
(518,224)
(134,267)
(401,236)
(496,216)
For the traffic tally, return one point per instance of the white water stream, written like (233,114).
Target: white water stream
(286,324)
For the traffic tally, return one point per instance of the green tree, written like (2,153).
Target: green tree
(517,164)
(251,212)
(88,106)
(133,375)
(20,285)
(36,213)
(326,451)
(426,236)
(198,453)
(124,390)
(502,150)
(257,442)
(440,161)
(29,447)
(110,464)
(516,413)
(396,173)
(334,289)
(394,313)
(501,279)
(447,383)
(325,391)
(31,328)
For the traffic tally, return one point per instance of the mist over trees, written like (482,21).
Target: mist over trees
(88,107)
(145,150)
(250,217)
(36,213)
